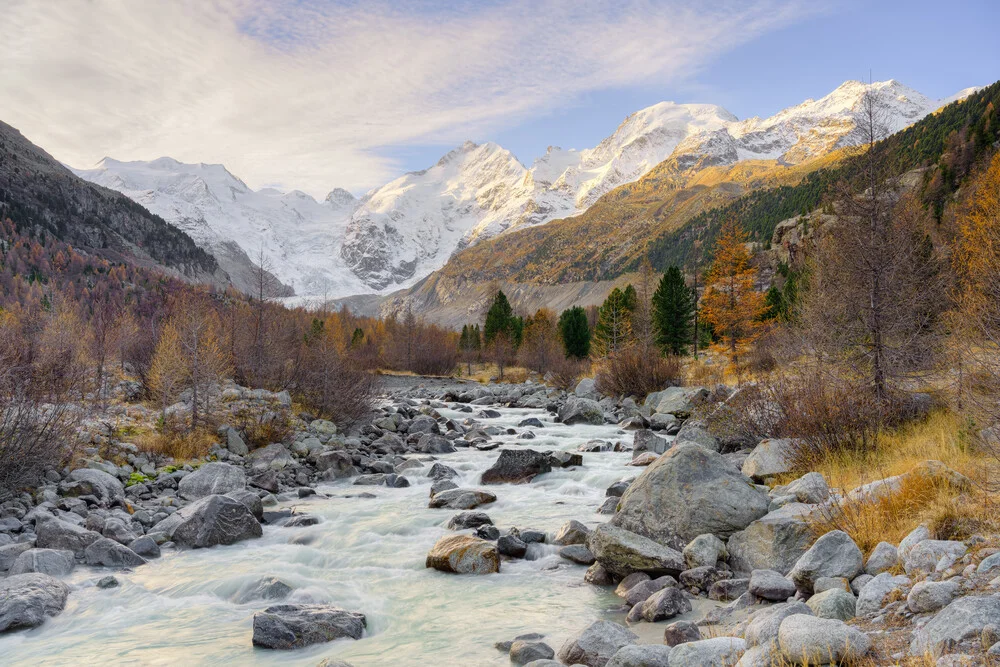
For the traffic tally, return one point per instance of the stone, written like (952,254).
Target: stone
(488,532)
(440,471)
(687,492)
(107,582)
(212,478)
(681,632)
(833,555)
(53,562)
(760,656)
(108,553)
(595,645)
(917,535)
(97,483)
(883,558)
(762,625)
(811,640)
(578,410)
(925,555)
(235,443)
(511,545)
(58,534)
(577,553)
(597,576)
(645,441)
(728,589)
(565,459)
(465,520)
(27,599)
(770,458)
(928,596)
(964,620)
(334,463)
(704,550)
(618,489)
(9,553)
(989,564)
(523,652)
(773,542)
(289,626)
(641,655)
(505,646)
(695,433)
(461,499)
(572,532)
(210,521)
(273,457)
(811,488)
(833,603)
(859,582)
(631,581)
(872,596)
(517,466)
(715,652)
(464,554)
(665,603)
(771,585)
(643,590)
(680,401)
(623,552)
(586,388)
(700,578)
(251,500)
(266,588)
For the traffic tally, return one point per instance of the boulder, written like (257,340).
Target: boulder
(704,551)
(464,554)
(572,532)
(770,458)
(210,521)
(687,492)
(251,500)
(597,644)
(235,443)
(833,603)
(266,588)
(512,545)
(465,520)
(27,599)
(917,535)
(577,553)
(461,499)
(212,478)
(273,457)
(432,443)
(696,433)
(806,639)
(771,585)
(883,558)
(645,440)
(665,603)
(833,555)
(58,534)
(9,553)
(811,488)
(523,652)
(53,562)
(773,542)
(622,552)
(334,463)
(289,626)
(679,401)
(715,652)
(97,483)
(581,411)
(925,555)
(643,590)
(928,596)
(961,621)
(641,655)
(762,625)
(145,546)
(586,388)
(681,632)
(108,553)
(873,594)
(517,466)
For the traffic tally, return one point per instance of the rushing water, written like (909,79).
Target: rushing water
(366,555)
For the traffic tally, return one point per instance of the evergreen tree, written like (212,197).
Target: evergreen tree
(575,332)
(673,313)
(631,298)
(500,320)
(357,338)
(614,325)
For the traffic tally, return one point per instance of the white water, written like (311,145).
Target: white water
(366,555)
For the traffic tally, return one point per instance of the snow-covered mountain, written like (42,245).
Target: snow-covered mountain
(399,233)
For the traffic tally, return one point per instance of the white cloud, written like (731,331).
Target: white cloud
(305,95)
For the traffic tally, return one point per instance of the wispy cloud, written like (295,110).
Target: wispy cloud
(306,94)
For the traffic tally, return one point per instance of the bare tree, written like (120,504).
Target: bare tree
(266,288)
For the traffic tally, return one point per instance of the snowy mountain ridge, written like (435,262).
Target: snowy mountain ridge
(402,231)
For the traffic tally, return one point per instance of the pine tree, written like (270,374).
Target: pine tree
(575,332)
(500,319)
(614,326)
(631,298)
(673,313)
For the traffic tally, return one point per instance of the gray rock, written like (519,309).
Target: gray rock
(622,552)
(807,639)
(145,546)
(872,596)
(833,555)
(334,463)
(917,535)
(577,553)
(676,400)
(27,599)
(9,553)
(928,596)
(771,585)
(108,553)
(511,545)
(505,646)
(523,652)
(766,655)
(578,410)
(572,532)
(517,466)
(645,440)
(463,554)
(107,582)
(97,483)
(235,444)
(883,558)
(687,492)
(273,457)
(833,603)
(290,626)
(210,521)
(762,625)
(641,655)
(770,458)
(643,590)
(58,534)
(681,632)
(267,588)
(774,542)
(465,520)
(715,652)
(665,603)
(212,478)
(52,562)
(859,582)
(811,488)
(728,589)
(251,500)
(461,499)
(924,556)
(629,582)
(595,645)
(826,583)
(704,550)
(989,564)
(962,620)
(695,433)
(432,443)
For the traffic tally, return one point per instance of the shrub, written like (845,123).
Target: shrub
(567,371)
(633,372)
(32,439)
(261,424)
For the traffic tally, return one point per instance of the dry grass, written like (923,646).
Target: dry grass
(177,443)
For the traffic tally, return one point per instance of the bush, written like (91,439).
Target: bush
(261,424)
(566,372)
(337,387)
(32,438)
(633,372)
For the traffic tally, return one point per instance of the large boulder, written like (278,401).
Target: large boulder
(645,440)
(53,562)
(288,626)
(809,640)
(334,463)
(26,599)
(696,433)
(687,492)
(517,466)
(596,645)
(108,553)
(925,555)
(572,532)
(586,388)
(212,478)
(578,410)
(432,443)
(663,604)
(461,499)
(678,401)
(770,585)
(762,625)
(91,482)
(9,553)
(715,652)
(210,521)
(833,555)
(641,655)
(464,554)
(622,552)
(273,457)
(775,541)
(833,603)
(883,558)
(873,594)
(931,595)
(961,621)
(58,534)
(704,551)
(770,458)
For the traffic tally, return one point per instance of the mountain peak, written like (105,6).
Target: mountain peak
(340,197)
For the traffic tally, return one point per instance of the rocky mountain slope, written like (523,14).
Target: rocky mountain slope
(399,233)
(38,193)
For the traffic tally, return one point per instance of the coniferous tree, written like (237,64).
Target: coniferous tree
(631,298)
(614,325)
(673,313)
(575,332)
(500,318)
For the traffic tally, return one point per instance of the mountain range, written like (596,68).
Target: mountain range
(399,233)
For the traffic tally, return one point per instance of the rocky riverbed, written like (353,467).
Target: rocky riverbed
(471,525)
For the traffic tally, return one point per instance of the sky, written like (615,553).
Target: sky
(317,94)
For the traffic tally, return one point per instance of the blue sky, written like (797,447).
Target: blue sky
(317,94)
(935,47)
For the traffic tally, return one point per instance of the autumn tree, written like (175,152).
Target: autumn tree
(643,315)
(540,345)
(731,303)
(614,324)
(575,332)
(470,345)
(331,381)
(673,313)
(502,332)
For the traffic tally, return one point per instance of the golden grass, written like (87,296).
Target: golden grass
(177,443)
